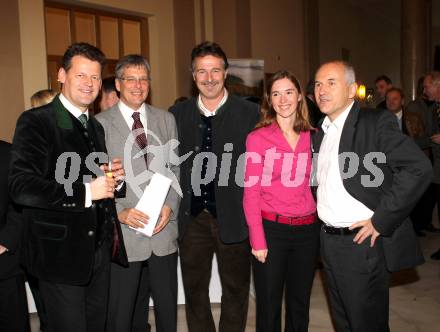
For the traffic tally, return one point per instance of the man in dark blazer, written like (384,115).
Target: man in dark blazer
(13,305)
(213,126)
(383,83)
(364,198)
(411,124)
(70,225)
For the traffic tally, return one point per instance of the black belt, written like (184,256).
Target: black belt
(339,230)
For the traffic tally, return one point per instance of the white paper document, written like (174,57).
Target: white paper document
(152,200)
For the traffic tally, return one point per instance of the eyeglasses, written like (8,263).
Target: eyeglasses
(134,80)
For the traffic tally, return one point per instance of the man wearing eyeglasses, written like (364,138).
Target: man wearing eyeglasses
(69,217)
(132,128)
(214,125)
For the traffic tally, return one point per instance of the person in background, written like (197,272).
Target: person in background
(109,94)
(411,124)
(423,108)
(42,97)
(180,99)
(13,303)
(431,88)
(383,83)
(280,210)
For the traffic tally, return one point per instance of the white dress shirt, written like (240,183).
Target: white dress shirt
(127,113)
(76,112)
(336,207)
(206,112)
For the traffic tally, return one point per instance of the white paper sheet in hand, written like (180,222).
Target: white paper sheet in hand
(152,201)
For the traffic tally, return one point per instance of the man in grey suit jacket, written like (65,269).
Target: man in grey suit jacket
(131,128)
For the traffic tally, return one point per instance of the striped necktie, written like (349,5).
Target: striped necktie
(139,132)
(83,119)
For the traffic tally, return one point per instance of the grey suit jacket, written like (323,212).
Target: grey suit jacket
(161,128)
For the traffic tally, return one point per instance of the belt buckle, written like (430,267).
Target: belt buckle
(291,219)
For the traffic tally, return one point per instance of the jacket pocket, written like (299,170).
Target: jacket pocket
(49,231)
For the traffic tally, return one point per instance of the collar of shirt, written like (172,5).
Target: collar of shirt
(206,112)
(399,114)
(339,121)
(75,111)
(127,113)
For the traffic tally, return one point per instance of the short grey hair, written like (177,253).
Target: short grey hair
(132,60)
(349,73)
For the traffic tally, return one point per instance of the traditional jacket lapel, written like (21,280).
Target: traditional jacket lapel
(63,118)
(68,130)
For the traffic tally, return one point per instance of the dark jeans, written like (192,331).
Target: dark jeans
(291,263)
(79,308)
(200,242)
(357,282)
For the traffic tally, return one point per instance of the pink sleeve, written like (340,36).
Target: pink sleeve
(252,193)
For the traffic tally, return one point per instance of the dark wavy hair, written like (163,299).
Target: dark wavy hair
(268,114)
(83,49)
(208,48)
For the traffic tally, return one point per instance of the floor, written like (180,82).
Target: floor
(414,299)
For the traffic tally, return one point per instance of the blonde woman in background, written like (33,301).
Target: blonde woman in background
(42,97)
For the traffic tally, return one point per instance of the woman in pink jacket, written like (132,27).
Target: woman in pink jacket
(279,206)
